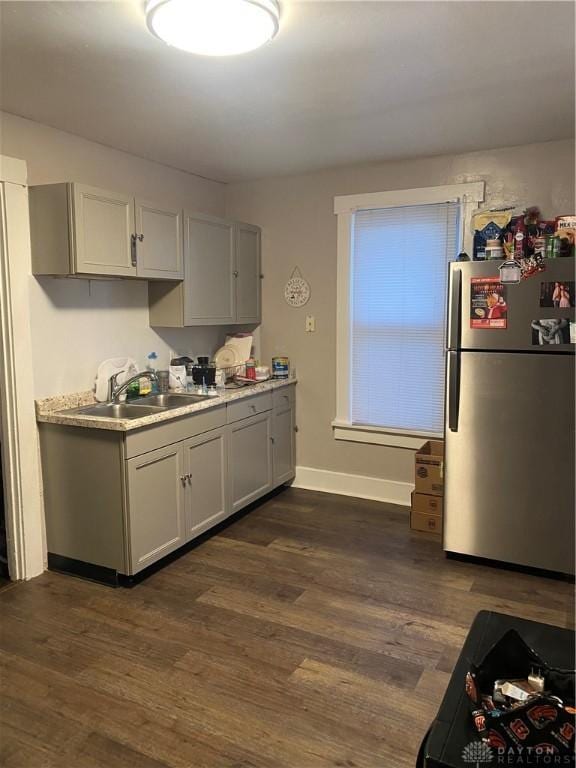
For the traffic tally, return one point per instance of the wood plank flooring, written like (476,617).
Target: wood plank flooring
(314,631)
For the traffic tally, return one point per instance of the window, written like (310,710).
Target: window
(394,250)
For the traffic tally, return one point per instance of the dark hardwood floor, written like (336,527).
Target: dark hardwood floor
(314,631)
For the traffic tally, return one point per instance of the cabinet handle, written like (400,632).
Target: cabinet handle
(140,237)
(235,273)
(183,479)
(295,428)
(272,440)
(261,276)
(189,477)
(133,258)
(253,407)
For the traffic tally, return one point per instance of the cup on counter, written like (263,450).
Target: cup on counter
(163,381)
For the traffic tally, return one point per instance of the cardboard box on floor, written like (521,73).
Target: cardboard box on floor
(427,504)
(426,513)
(427,523)
(429,468)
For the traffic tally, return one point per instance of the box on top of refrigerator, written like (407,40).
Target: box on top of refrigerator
(429,469)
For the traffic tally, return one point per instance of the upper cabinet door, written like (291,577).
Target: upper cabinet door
(248,277)
(159,242)
(209,297)
(103,224)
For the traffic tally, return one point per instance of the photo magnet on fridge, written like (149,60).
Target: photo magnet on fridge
(488,307)
(548,330)
(557,294)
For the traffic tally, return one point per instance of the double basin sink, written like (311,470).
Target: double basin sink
(143,406)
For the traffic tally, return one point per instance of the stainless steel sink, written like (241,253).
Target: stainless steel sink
(169,400)
(119,410)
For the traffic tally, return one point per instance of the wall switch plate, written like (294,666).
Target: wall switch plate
(310,323)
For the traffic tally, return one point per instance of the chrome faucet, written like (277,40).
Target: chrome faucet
(115,390)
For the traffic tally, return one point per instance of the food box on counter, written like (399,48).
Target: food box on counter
(429,468)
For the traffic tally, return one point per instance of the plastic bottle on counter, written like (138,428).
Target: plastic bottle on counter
(147,386)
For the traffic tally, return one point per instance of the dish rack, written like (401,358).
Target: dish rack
(235,375)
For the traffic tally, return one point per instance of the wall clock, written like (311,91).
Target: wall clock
(296,290)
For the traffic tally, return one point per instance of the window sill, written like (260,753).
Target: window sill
(360,433)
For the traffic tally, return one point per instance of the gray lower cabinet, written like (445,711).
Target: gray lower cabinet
(284,443)
(250,459)
(121,501)
(207,491)
(155,503)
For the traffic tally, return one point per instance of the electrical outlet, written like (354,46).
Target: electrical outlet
(310,323)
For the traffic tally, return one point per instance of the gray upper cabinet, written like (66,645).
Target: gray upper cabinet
(102,225)
(209,285)
(159,242)
(206,495)
(83,231)
(221,277)
(248,274)
(156,514)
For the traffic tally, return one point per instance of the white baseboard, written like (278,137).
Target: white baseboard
(361,486)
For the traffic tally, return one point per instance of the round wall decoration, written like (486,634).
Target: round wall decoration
(297,290)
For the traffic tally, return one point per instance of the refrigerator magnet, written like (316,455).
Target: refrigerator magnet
(551,330)
(556,294)
(488,306)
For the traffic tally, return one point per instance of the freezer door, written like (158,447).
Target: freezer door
(509,485)
(510,325)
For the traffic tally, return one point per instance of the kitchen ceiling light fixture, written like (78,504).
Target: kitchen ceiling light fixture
(214,27)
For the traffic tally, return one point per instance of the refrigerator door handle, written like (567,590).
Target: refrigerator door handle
(453,390)
(455,313)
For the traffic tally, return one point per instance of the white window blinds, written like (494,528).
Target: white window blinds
(398,308)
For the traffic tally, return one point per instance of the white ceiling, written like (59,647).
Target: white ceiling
(343,82)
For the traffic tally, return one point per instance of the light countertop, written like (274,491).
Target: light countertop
(57,410)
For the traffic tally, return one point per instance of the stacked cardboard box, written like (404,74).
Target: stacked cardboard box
(427,497)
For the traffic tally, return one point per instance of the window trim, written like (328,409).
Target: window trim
(469,195)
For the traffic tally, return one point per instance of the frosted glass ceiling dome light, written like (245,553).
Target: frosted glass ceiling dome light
(214,27)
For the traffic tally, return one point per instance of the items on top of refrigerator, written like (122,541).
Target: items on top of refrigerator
(565,235)
(522,236)
(488,226)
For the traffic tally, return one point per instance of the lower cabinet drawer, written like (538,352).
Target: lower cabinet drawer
(149,438)
(248,407)
(284,396)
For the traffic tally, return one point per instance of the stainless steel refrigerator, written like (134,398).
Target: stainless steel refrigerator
(509,464)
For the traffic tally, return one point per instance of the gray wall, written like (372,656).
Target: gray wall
(299,228)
